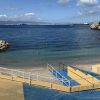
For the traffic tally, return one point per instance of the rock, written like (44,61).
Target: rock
(3,45)
(98,37)
(95,26)
(99,27)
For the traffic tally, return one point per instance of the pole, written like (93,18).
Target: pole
(29,78)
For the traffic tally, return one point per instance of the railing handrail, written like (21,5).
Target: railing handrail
(57,72)
(28,74)
(61,79)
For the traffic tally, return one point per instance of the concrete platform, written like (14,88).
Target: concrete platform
(11,90)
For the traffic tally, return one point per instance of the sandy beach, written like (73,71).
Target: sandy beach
(44,70)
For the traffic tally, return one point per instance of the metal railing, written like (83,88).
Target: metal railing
(29,76)
(52,81)
(61,78)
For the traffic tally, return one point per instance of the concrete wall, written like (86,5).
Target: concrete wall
(60,87)
(81,88)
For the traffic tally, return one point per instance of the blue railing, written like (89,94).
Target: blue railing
(58,75)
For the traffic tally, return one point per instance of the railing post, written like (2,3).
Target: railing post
(29,78)
(12,74)
(51,69)
(50,82)
(23,77)
(37,76)
(69,87)
(93,82)
(47,67)
(62,80)
(56,74)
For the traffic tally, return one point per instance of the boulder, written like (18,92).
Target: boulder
(3,45)
(95,26)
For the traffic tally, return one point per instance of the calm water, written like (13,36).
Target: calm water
(39,45)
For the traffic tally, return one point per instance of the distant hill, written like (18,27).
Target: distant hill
(36,23)
(23,23)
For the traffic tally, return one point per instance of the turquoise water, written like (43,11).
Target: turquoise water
(39,45)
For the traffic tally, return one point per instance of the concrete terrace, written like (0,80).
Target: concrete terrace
(15,85)
(11,90)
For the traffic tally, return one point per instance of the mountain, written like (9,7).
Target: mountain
(23,23)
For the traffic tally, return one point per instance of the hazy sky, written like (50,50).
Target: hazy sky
(50,10)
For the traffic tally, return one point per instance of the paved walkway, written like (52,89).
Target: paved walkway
(11,90)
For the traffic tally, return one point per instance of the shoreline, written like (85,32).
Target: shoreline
(42,69)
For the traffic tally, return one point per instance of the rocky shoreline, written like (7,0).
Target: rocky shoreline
(4,45)
(95,26)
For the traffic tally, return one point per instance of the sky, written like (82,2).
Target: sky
(54,11)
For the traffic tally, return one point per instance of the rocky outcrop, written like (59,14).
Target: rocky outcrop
(3,45)
(95,26)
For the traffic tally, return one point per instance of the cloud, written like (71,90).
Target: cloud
(11,9)
(88,8)
(94,10)
(87,2)
(63,2)
(3,15)
(22,17)
(80,13)
(86,13)
(29,14)
(79,2)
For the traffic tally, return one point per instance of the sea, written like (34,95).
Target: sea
(38,45)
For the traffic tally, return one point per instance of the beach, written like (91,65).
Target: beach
(33,47)
(50,50)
